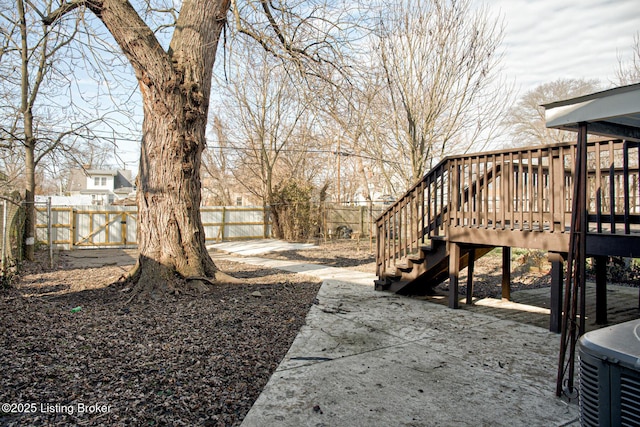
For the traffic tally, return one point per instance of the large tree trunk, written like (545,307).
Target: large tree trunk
(170,234)
(175,87)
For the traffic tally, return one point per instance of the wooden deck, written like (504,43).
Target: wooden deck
(522,198)
(532,306)
(575,201)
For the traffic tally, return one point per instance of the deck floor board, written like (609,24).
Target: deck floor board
(622,305)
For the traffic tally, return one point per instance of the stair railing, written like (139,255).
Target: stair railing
(526,189)
(413,219)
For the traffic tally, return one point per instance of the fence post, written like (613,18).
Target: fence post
(49,232)
(370,225)
(72,227)
(222,225)
(4,236)
(265,222)
(123,228)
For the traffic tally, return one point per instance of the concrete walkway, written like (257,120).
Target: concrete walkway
(367,358)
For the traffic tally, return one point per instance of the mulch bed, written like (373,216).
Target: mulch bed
(189,360)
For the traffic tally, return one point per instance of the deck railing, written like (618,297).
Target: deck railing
(522,189)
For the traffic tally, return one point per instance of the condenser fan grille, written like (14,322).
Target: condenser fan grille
(589,404)
(630,398)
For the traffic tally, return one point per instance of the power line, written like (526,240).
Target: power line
(137,139)
(309,151)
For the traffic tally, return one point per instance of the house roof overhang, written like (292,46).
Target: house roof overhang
(95,191)
(101,172)
(613,113)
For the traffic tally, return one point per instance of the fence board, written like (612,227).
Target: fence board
(116,226)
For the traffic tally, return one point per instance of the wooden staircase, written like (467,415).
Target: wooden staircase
(467,205)
(421,272)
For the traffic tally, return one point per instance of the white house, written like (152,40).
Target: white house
(104,186)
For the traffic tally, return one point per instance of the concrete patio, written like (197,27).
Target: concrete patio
(369,358)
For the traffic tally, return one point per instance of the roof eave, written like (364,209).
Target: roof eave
(613,113)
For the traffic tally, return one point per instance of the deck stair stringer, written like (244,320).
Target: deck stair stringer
(422,272)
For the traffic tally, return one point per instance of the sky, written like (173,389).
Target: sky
(546,40)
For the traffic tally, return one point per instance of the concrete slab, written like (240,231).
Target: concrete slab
(255,247)
(367,358)
(387,360)
(96,258)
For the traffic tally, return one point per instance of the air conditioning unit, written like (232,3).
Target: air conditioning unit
(609,376)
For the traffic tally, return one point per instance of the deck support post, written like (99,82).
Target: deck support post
(601,289)
(470,268)
(506,273)
(557,280)
(454,272)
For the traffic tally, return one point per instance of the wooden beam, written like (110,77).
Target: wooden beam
(470,268)
(506,273)
(556,242)
(557,279)
(454,273)
(601,289)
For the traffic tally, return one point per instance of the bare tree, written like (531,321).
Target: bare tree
(39,118)
(629,72)
(175,84)
(217,166)
(440,61)
(269,111)
(526,120)
(346,113)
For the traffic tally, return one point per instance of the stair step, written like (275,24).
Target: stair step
(392,275)
(436,242)
(404,264)
(416,258)
(418,274)
(404,267)
(381,285)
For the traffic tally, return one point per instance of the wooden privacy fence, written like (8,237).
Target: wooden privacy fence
(360,219)
(75,227)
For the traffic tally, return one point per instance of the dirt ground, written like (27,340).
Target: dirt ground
(527,272)
(75,351)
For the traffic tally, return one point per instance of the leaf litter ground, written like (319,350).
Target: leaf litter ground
(188,360)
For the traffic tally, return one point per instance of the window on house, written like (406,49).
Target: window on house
(103,181)
(96,181)
(239,201)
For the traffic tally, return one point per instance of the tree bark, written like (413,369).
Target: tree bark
(29,201)
(175,87)
(29,141)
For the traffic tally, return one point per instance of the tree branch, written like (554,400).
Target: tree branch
(59,12)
